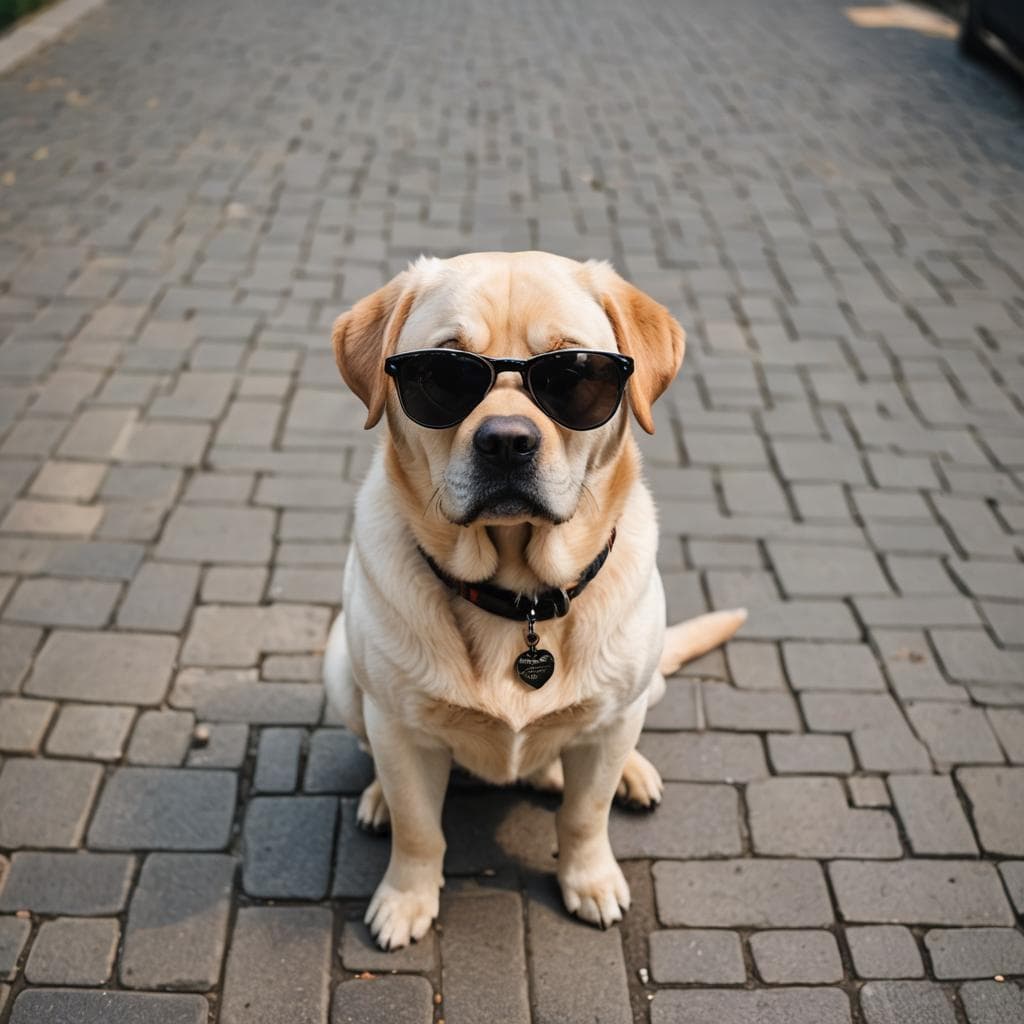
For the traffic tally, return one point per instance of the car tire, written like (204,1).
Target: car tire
(969,41)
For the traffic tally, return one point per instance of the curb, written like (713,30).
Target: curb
(39,31)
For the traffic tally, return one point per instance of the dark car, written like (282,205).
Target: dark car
(993,24)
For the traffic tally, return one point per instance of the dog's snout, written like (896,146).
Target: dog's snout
(507,441)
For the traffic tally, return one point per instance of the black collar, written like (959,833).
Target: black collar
(548,604)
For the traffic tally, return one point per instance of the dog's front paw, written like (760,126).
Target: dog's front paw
(397,917)
(595,891)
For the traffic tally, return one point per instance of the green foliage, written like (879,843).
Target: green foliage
(11,10)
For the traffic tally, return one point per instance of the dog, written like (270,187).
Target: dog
(508,480)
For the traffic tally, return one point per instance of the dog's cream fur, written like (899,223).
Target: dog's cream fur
(424,677)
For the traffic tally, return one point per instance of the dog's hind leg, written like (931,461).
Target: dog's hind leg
(346,701)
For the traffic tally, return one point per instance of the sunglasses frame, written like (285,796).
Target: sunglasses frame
(392,365)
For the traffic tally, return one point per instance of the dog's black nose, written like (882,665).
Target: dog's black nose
(507,441)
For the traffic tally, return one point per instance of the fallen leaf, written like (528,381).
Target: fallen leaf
(41,153)
(74,98)
(8,177)
(153,102)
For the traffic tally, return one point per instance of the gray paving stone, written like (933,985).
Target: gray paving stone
(159,598)
(278,966)
(407,1000)
(562,947)
(161,738)
(78,481)
(831,667)
(103,667)
(255,703)
(14,933)
(230,585)
(970,656)
(693,820)
(73,951)
(912,669)
(52,518)
(359,952)
(949,892)
(17,645)
(47,602)
(224,745)
(23,724)
(896,1002)
(796,957)
(728,708)
(83,884)
(808,570)
(141,483)
(229,636)
(955,734)
(176,930)
(932,817)
(696,956)
(996,797)
(705,757)
(809,817)
(742,893)
(677,709)
(94,732)
(45,803)
(884,951)
(868,791)
(162,443)
(360,858)
(801,620)
(881,738)
(992,1002)
(810,754)
(164,808)
(216,533)
(45,1006)
(277,760)
(321,586)
(274,866)
(760,1006)
(335,763)
(975,952)
(1013,876)
(483,975)
(921,611)
(99,559)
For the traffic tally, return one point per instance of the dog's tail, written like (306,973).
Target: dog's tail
(691,639)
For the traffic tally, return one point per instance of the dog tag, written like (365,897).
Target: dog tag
(535,667)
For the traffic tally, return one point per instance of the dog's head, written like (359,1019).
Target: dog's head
(506,462)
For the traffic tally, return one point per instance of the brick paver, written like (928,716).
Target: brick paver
(191,193)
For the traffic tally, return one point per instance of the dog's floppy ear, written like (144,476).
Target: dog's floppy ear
(645,330)
(365,335)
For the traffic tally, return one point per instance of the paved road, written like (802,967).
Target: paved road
(192,191)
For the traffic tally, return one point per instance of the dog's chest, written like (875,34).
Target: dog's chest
(491,748)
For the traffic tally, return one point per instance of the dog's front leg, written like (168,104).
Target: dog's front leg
(414,779)
(592,882)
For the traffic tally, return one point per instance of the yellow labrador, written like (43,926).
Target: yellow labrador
(502,607)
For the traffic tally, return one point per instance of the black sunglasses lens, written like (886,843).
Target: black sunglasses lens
(580,390)
(441,388)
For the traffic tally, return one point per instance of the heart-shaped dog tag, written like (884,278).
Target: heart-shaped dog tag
(535,667)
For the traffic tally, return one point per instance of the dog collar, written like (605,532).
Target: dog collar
(548,604)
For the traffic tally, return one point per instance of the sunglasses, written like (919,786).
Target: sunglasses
(578,388)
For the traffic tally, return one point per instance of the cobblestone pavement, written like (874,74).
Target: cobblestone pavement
(192,191)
